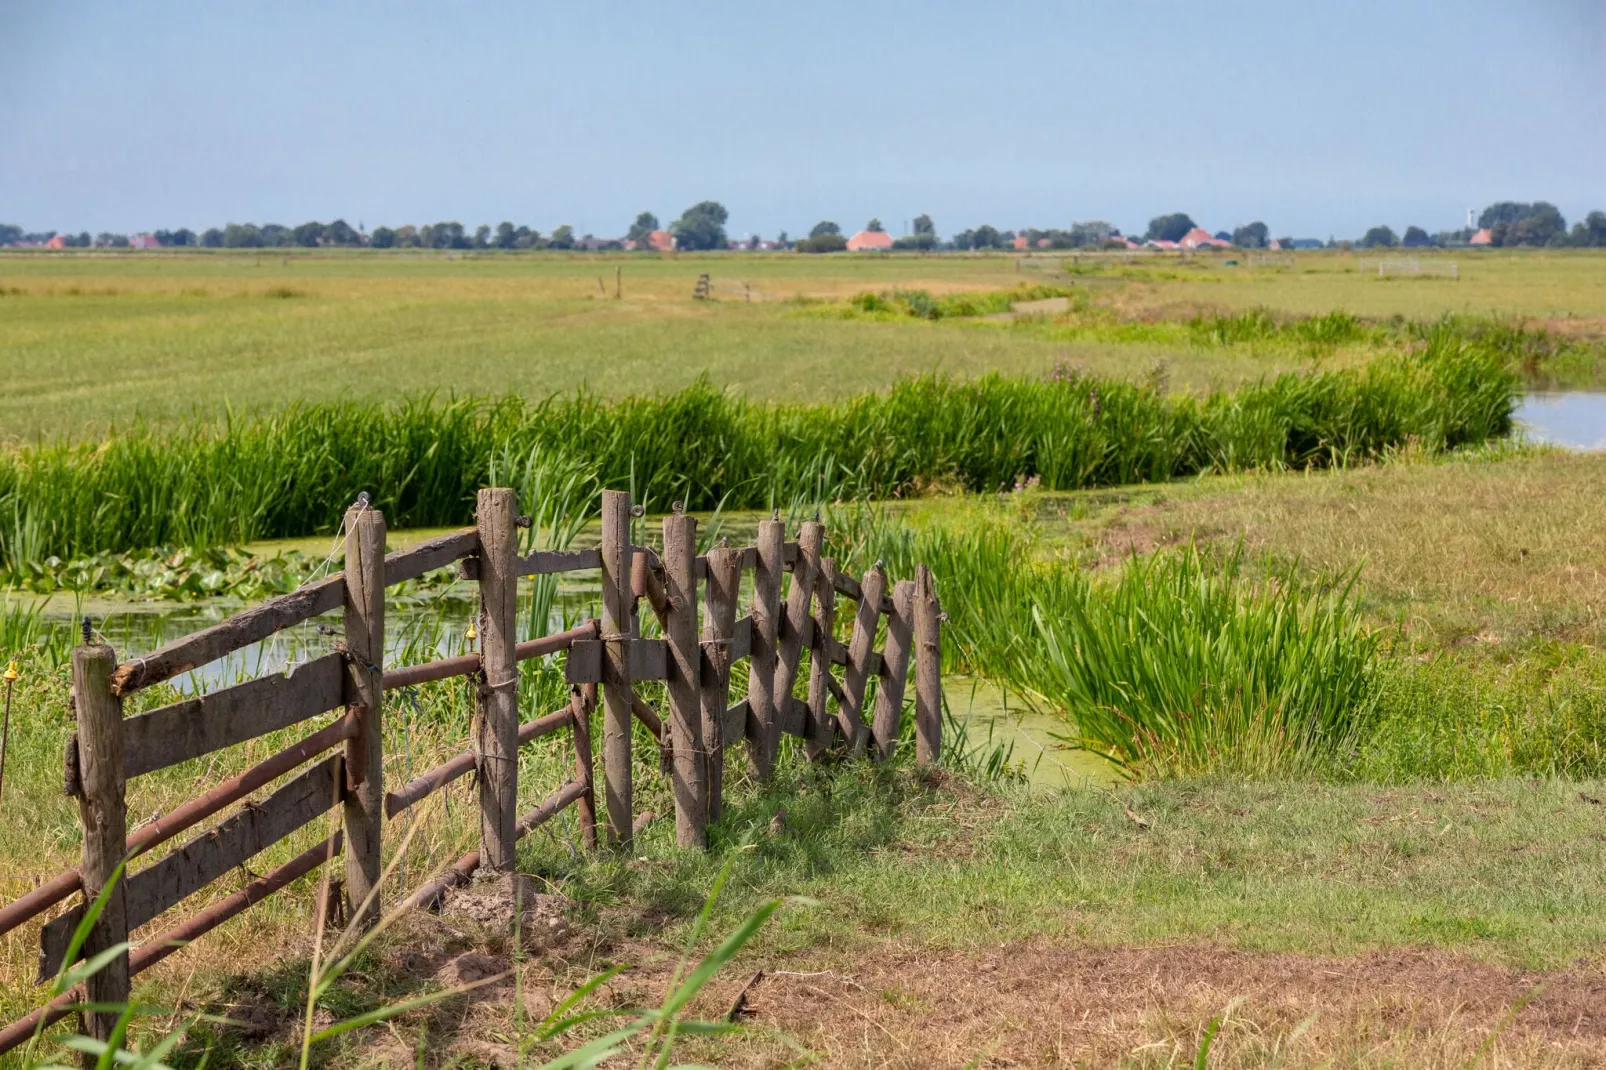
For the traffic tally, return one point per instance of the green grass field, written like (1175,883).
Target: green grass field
(1422,888)
(91,340)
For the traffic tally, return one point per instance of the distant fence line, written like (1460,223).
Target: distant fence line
(701,723)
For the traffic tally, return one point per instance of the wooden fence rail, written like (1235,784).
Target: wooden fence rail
(607,656)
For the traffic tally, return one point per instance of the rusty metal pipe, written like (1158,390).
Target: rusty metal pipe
(165,943)
(461,870)
(202,807)
(191,813)
(39,900)
(448,771)
(468,664)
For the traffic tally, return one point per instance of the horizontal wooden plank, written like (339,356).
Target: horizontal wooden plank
(184,730)
(430,555)
(649,660)
(542,563)
(225,637)
(253,829)
(546,562)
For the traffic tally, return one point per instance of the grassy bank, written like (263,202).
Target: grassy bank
(291,473)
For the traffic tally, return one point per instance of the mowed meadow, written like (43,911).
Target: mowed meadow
(1254,546)
(88,341)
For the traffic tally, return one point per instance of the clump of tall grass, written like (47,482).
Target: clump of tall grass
(291,472)
(922,304)
(1263,325)
(1178,664)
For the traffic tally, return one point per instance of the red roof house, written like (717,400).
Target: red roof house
(58,242)
(1482,237)
(661,241)
(870,240)
(1199,237)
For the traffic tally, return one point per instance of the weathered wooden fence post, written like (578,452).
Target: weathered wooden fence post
(822,728)
(719,622)
(583,701)
(365,654)
(617,599)
(496,737)
(928,670)
(104,813)
(861,647)
(894,669)
(762,701)
(796,626)
(685,676)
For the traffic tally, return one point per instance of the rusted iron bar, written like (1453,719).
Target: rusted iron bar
(165,943)
(448,771)
(466,664)
(199,809)
(166,826)
(39,900)
(460,871)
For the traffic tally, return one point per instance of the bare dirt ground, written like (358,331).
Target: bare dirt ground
(1050,1005)
(1044,1005)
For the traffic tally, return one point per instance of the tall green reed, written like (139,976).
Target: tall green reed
(291,472)
(1173,664)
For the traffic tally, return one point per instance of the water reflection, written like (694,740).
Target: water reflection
(417,628)
(1575,419)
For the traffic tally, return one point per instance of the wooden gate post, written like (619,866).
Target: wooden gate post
(821,729)
(719,622)
(104,813)
(795,627)
(685,676)
(894,669)
(364,691)
(616,692)
(496,737)
(928,670)
(762,701)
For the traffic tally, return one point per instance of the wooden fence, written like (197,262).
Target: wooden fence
(609,654)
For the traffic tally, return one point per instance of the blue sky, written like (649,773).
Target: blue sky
(1319,118)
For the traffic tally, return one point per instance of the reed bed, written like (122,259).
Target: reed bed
(289,473)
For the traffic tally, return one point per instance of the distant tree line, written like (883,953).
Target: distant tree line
(702,227)
(1509,223)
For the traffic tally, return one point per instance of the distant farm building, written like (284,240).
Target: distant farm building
(1199,238)
(144,241)
(870,240)
(1481,237)
(1022,242)
(58,242)
(661,241)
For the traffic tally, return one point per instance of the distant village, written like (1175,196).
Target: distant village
(702,228)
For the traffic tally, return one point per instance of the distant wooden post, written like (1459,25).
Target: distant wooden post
(894,669)
(685,664)
(496,737)
(583,701)
(804,570)
(822,729)
(616,694)
(364,691)
(104,813)
(928,670)
(761,697)
(719,622)
(861,647)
